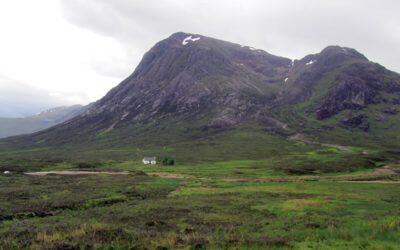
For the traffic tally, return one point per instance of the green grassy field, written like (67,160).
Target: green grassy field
(240,188)
(237,204)
(260,162)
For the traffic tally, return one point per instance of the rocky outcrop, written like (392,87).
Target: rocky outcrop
(381,117)
(350,93)
(355,120)
(203,75)
(357,86)
(385,112)
(390,111)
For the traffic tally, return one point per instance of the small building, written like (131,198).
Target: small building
(6,172)
(149,160)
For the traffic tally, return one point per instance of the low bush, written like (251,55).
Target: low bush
(104,201)
(87,164)
(167,161)
(317,167)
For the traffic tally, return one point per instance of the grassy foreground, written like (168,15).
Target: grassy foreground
(224,205)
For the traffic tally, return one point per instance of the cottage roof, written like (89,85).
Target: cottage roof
(149,158)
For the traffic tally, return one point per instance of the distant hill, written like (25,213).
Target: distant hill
(195,93)
(43,120)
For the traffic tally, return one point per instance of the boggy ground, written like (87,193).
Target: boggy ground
(225,205)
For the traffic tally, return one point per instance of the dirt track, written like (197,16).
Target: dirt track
(300,137)
(381,182)
(75,173)
(381,175)
(377,176)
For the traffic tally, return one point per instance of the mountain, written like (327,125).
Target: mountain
(194,77)
(190,88)
(43,120)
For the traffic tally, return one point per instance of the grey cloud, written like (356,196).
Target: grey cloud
(18,99)
(288,28)
(112,67)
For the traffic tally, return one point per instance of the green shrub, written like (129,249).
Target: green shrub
(88,164)
(316,167)
(167,161)
(104,201)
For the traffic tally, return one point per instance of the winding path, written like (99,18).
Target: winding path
(75,173)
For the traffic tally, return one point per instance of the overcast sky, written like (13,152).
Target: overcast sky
(63,52)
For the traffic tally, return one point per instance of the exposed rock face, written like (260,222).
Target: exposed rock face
(217,84)
(350,93)
(355,120)
(202,75)
(390,111)
(230,83)
(306,72)
(357,86)
(395,101)
(381,117)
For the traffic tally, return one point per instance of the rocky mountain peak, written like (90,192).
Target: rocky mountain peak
(333,55)
(209,83)
(193,74)
(189,72)
(183,51)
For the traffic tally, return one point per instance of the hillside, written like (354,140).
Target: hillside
(268,153)
(191,91)
(43,120)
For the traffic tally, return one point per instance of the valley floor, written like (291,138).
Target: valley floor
(226,205)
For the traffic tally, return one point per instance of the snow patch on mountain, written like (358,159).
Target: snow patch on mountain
(189,38)
(311,62)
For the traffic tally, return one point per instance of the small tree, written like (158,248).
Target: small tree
(168,161)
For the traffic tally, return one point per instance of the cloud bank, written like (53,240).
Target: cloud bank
(285,27)
(55,52)
(19,100)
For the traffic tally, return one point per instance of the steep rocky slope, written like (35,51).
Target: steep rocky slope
(196,75)
(191,83)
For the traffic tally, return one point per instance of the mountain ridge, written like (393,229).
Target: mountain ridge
(192,84)
(40,121)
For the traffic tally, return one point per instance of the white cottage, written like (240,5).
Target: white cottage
(149,160)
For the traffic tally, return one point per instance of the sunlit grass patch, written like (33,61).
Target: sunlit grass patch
(202,189)
(301,204)
(386,224)
(142,210)
(104,201)
(94,234)
(217,217)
